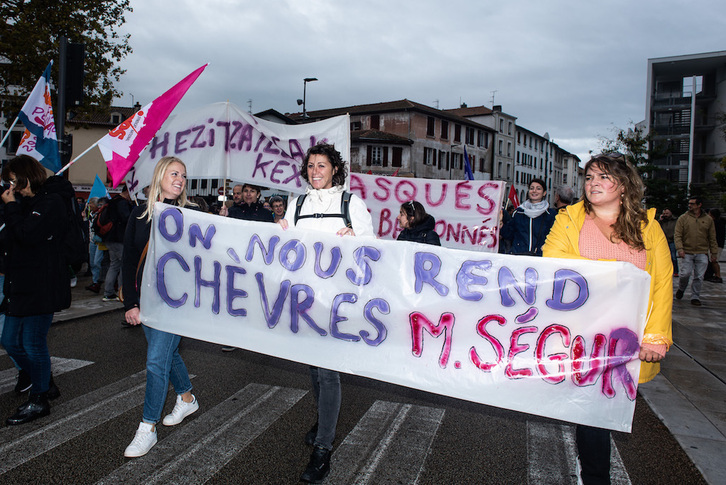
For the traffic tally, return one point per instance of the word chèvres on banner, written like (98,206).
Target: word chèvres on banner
(221,141)
(467,212)
(537,335)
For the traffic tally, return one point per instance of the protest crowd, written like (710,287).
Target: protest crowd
(607,223)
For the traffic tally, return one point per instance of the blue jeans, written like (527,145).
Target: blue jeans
(2,314)
(696,264)
(674,258)
(94,261)
(113,277)
(326,386)
(26,341)
(163,364)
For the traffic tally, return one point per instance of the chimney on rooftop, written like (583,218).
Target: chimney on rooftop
(497,108)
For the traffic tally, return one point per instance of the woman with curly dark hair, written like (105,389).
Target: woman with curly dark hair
(323,208)
(610,223)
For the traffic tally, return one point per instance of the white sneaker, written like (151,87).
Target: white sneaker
(144,440)
(181,410)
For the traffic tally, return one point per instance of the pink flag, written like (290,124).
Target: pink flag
(123,145)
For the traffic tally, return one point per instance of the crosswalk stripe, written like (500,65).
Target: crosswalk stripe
(386,426)
(58,366)
(197,451)
(68,420)
(552,456)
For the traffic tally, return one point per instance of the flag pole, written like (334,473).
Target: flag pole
(7,135)
(227,162)
(75,159)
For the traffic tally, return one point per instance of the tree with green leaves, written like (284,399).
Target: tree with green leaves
(659,193)
(30,38)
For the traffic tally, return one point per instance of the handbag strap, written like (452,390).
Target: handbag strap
(141,261)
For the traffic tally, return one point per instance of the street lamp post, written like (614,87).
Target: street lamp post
(302,101)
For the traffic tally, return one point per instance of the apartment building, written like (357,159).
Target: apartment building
(573,174)
(534,155)
(685,106)
(504,126)
(413,140)
(521,155)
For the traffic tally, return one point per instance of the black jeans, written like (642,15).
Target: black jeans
(593,446)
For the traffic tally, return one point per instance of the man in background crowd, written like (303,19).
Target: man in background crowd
(695,238)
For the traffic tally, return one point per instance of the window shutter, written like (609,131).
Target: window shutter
(385,156)
(397,156)
(369,155)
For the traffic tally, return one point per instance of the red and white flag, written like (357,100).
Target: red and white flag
(123,145)
(513,196)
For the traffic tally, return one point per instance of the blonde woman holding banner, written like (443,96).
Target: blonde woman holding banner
(610,224)
(324,208)
(163,362)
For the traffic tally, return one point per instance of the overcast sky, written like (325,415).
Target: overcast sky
(573,69)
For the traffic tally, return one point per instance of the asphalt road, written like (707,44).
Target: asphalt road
(255,411)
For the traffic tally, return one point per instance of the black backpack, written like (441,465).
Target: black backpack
(74,247)
(344,210)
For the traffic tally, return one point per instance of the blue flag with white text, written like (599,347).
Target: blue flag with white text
(39,140)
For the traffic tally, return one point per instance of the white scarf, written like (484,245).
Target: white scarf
(535,209)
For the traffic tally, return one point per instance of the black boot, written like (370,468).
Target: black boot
(318,467)
(53,391)
(36,407)
(24,383)
(310,435)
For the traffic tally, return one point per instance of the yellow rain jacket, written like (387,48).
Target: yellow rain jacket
(563,242)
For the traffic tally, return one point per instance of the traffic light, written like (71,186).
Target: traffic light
(75,57)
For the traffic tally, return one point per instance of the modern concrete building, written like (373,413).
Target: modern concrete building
(685,107)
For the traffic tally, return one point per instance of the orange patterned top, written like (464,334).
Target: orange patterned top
(595,245)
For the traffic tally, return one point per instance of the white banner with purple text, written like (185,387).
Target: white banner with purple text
(221,141)
(467,212)
(552,337)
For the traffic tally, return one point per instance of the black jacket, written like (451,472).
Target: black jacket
(135,240)
(251,212)
(137,236)
(36,274)
(423,233)
(518,230)
(119,211)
